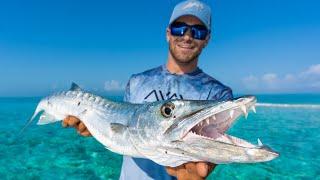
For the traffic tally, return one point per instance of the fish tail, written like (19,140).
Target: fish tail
(27,124)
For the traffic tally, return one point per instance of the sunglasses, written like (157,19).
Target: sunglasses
(199,32)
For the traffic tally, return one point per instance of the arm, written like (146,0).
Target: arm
(220,93)
(191,170)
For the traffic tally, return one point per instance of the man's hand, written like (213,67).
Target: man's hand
(72,121)
(191,170)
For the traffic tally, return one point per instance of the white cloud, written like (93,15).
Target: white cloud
(251,79)
(313,70)
(315,85)
(306,80)
(311,75)
(251,82)
(270,78)
(113,85)
(289,77)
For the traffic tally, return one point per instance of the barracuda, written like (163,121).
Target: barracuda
(169,132)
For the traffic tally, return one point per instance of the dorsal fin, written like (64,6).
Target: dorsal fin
(75,87)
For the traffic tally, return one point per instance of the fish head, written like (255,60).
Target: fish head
(175,119)
(191,130)
(158,118)
(209,118)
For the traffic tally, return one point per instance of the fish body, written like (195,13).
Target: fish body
(169,132)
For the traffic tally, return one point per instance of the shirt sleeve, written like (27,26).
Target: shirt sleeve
(220,93)
(225,95)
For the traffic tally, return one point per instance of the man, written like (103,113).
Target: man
(187,34)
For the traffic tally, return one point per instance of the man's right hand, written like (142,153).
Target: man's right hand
(72,121)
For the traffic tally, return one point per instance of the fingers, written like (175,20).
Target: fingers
(191,170)
(191,167)
(64,123)
(202,169)
(70,121)
(186,171)
(85,133)
(171,171)
(182,174)
(81,127)
(211,167)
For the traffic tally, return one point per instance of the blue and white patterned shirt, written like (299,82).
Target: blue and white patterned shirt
(159,84)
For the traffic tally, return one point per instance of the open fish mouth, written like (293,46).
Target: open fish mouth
(211,123)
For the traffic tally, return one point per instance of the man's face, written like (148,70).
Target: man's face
(185,49)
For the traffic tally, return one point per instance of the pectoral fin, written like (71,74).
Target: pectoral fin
(46,118)
(117,127)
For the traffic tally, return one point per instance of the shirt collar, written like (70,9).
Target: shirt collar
(193,73)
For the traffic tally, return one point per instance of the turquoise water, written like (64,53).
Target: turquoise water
(52,152)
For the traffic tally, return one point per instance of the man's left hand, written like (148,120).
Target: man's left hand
(191,170)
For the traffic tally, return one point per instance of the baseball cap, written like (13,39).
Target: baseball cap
(195,8)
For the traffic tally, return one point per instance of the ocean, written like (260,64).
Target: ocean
(289,124)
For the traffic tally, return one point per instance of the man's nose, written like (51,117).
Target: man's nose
(188,35)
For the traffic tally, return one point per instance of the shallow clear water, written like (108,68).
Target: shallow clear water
(51,152)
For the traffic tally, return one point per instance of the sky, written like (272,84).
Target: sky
(267,46)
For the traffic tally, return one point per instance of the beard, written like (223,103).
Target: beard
(183,58)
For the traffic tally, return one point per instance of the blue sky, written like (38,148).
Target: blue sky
(257,46)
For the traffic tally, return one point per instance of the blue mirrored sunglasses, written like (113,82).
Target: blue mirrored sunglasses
(199,32)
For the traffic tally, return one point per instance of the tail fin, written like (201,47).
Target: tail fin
(37,111)
(47,118)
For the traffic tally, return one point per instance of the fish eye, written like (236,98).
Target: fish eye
(167,109)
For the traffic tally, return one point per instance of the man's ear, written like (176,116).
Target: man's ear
(167,34)
(207,41)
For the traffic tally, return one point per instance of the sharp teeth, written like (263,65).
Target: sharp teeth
(254,109)
(207,121)
(244,109)
(213,117)
(259,142)
(231,113)
(246,115)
